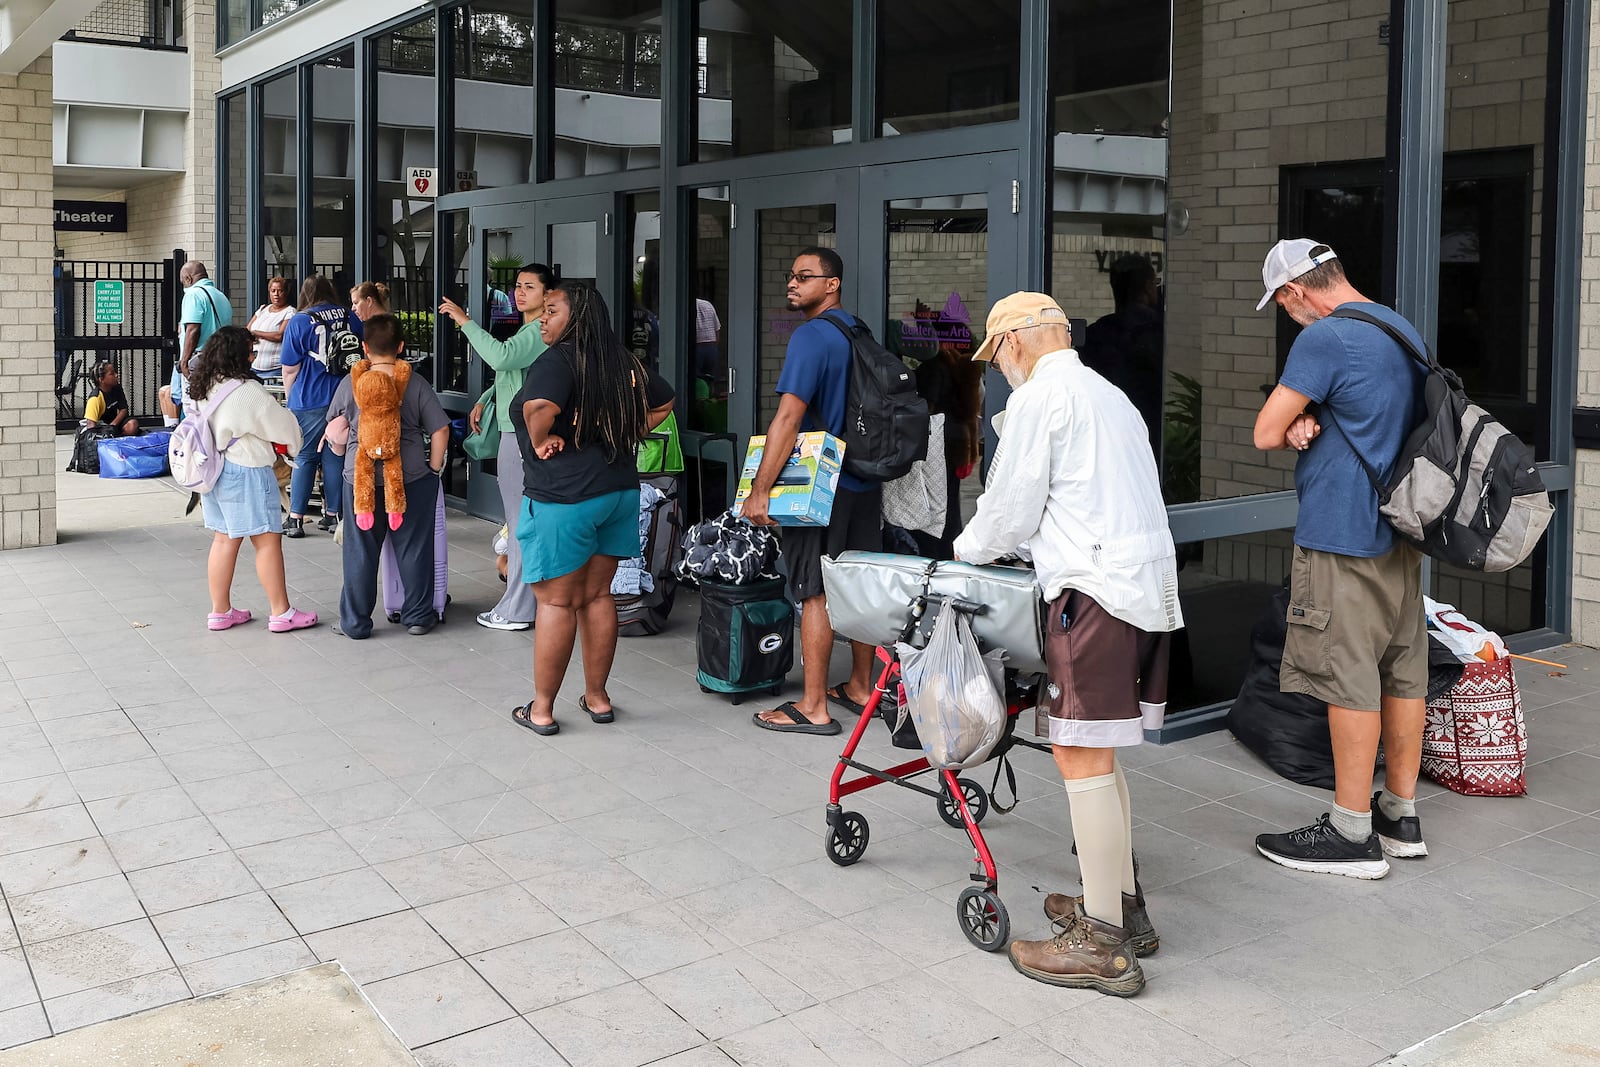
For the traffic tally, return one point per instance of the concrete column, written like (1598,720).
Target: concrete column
(27,328)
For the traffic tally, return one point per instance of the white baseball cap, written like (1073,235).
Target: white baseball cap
(1287,261)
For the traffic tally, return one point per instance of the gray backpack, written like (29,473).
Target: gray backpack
(1465,490)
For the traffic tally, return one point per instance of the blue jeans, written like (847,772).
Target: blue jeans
(312,424)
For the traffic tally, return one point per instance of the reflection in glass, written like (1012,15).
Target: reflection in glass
(1110,83)
(642,328)
(279,170)
(494,101)
(709,377)
(771,76)
(235,240)
(1508,602)
(1241,118)
(403,218)
(452,348)
(781,232)
(608,86)
(956,66)
(333,224)
(938,298)
(573,246)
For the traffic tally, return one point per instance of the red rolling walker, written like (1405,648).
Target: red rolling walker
(962,802)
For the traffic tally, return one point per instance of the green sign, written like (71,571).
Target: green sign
(109,306)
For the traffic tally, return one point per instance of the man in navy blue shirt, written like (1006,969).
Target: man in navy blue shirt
(1357,636)
(812,388)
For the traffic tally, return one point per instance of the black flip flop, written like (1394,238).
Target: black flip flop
(595,716)
(519,715)
(837,695)
(800,725)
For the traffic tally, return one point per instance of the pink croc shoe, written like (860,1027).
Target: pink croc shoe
(293,619)
(227,619)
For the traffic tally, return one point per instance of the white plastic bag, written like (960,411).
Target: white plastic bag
(954,693)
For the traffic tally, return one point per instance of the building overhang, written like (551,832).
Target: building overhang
(29,27)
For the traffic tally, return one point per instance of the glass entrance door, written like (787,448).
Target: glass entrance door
(572,235)
(946,237)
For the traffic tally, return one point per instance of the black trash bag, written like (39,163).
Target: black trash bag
(1290,730)
(86,448)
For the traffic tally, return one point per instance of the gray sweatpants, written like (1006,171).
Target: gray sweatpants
(517,604)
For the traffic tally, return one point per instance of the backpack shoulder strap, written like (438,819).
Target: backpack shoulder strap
(218,395)
(1372,474)
(1423,356)
(848,331)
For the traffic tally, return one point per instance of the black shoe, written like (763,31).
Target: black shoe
(294,527)
(1400,838)
(420,629)
(328,522)
(1320,849)
(339,632)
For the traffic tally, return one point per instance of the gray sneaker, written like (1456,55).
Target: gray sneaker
(495,622)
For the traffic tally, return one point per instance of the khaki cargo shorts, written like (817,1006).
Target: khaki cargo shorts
(1356,629)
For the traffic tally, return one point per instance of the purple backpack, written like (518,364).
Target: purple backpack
(193,455)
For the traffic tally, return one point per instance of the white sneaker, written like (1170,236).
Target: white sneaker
(495,622)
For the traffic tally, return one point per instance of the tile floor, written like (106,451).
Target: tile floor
(183,811)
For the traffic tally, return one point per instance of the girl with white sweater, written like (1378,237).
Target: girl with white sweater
(244,502)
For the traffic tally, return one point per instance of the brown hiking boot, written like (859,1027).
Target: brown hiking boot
(1142,936)
(1085,954)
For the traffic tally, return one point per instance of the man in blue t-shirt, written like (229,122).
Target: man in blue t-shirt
(812,388)
(1357,637)
(306,343)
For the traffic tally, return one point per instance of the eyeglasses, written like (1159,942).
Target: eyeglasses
(805,279)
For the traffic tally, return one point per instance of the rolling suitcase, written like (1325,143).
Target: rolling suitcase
(644,613)
(745,641)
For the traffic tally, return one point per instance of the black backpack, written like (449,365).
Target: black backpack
(886,419)
(1465,490)
(341,350)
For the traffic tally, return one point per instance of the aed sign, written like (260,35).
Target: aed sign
(422,182)
(91,216)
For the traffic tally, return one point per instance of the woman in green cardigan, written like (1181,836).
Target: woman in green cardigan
(510,360)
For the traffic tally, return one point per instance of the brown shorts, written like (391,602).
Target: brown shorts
(1356,628)
(1107,679)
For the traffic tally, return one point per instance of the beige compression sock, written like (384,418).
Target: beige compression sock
(1130,884)
(1102,840)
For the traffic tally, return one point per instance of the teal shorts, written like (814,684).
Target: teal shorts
(558,539)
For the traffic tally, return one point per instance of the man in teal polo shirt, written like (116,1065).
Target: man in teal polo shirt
(205,310)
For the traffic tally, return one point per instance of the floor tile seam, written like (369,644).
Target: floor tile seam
(27,961)
(171,961)
(487,1026)
(1594,897)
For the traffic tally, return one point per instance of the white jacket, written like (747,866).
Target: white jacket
(1074,486)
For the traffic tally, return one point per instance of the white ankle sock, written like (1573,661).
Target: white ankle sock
(1352,825)
(1394,807)
(1102,840)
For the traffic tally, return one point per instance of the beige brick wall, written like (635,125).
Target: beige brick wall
(27,363)
(1586,494)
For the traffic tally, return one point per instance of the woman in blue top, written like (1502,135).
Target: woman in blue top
(306,341)
(510,360)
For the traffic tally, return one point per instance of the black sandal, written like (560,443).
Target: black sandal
(595,716)
(520,716)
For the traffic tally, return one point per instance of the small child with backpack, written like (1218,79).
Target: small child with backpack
(225,453)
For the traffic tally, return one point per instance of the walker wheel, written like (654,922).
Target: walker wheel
(847,839)
(977,802)
(983,918)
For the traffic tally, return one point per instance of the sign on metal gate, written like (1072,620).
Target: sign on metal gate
(110,305)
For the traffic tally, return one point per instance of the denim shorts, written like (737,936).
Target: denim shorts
(558,539)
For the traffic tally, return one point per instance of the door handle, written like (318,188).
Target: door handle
(733,378)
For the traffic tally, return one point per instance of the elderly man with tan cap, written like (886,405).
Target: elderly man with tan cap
(1348,396)
(1074,487)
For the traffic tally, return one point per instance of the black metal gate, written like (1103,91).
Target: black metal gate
(139,331)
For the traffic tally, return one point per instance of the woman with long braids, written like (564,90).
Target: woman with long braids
(244,501)
(510,360)
(583,408)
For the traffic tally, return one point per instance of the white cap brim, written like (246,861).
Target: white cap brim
(1267,299)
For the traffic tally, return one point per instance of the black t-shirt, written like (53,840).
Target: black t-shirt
(573,474)
(116,404)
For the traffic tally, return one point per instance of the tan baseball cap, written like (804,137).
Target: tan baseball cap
(1017,312)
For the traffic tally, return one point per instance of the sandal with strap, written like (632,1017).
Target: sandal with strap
(226,620)
(596,716)
(520,716)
